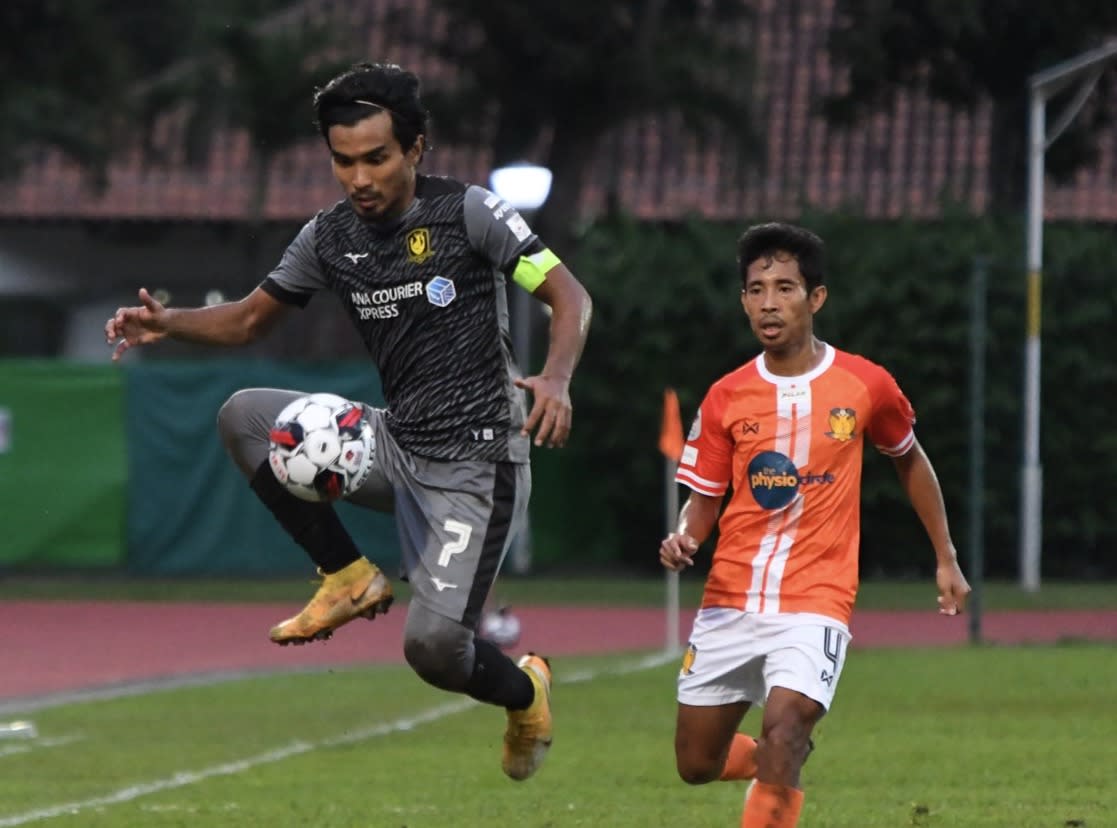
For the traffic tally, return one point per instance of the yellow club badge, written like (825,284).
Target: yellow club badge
(843,424)
(419,245)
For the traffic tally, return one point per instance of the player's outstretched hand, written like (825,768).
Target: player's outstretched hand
(953,589)
(551,412)
(676,552)
(136,326)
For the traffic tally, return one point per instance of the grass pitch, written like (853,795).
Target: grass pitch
(966,738)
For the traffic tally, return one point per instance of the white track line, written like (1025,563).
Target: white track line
(184,778)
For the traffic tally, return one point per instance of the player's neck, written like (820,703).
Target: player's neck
(795,360)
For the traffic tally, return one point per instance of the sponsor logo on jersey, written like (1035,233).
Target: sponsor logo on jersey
(843,424)
(383,303)
(419,245)
(789,394)
(518,226)
(355,257)
(775,481)
(441,291)
(695,427)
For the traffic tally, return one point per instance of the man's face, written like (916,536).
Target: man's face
(775,299)
(376,173)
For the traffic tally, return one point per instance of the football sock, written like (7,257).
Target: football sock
(771,806)
(314,526)
(741,762)
(497,679)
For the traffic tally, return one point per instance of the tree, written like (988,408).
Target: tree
(259,78)
(563,75)
(88,76)
(59,85)
(962,52)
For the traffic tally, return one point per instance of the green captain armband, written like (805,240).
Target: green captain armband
(532,270)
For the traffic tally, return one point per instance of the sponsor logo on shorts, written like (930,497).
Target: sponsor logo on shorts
(687,668)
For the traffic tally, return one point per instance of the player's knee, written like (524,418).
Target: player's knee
(785,746)
(696,772)
(695,765)
(234,416)
(438,657)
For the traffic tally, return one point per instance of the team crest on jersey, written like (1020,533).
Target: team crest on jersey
(688,660)
(419,245)
(843,424)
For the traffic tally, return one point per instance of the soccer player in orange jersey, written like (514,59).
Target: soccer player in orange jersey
(784,435)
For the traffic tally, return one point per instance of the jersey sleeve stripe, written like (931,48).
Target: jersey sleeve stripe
(901,448)
(700,484)
(281,294)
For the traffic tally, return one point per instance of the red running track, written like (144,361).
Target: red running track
(57,647)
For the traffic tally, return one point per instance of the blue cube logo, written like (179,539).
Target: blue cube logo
(441,291)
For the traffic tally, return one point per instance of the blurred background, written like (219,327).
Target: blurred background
(170,145)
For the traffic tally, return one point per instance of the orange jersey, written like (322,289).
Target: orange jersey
(790,448)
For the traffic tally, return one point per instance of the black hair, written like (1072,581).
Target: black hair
(767,240)
(367,88)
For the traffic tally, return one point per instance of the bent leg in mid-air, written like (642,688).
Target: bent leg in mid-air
(352,587)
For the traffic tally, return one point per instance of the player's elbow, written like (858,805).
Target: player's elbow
(253,323)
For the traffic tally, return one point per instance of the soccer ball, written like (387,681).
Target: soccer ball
(321,447)
(501,627)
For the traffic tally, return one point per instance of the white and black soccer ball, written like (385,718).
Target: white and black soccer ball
(321,447)
(501,627)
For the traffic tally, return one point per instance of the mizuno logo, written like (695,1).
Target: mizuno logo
(441,585)
(356,257)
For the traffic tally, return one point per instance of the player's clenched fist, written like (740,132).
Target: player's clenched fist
(677,551)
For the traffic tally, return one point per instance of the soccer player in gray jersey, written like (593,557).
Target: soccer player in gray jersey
(421,265)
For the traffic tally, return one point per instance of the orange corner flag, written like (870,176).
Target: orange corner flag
(671,440)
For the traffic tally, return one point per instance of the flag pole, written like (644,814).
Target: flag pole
(671,444)
(671,492)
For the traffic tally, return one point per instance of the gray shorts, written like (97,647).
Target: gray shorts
(455,519)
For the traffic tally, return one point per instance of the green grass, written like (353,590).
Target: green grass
(611,590)
(970,737)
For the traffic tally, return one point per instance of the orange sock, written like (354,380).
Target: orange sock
(741,762)
(771,806)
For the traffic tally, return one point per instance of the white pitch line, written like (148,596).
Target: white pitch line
(184,778)
(36,744)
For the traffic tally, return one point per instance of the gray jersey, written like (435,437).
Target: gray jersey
(427,295)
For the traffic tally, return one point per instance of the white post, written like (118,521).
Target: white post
(1031,477)
(1084,69)
(671,607)
(525,187)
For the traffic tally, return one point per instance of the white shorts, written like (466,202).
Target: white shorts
(736,656)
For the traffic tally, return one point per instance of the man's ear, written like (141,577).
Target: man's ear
(817,298)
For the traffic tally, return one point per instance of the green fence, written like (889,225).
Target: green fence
(120,468)
(62,465)
(190,511)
